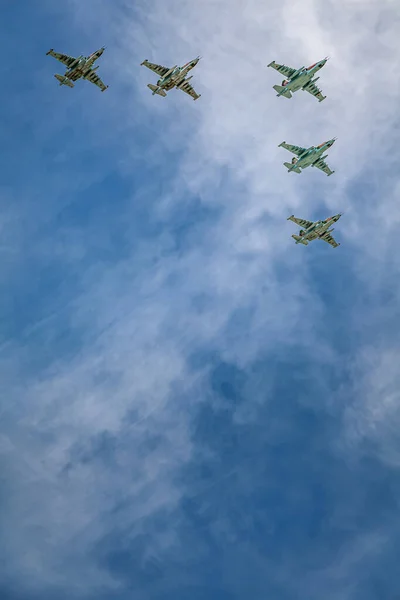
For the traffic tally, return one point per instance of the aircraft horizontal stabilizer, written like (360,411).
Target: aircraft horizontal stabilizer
(291,167)
(156,90)
(299,240)
(282,91)
(64,80)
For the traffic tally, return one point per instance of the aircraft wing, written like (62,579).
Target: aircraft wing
(64,58)
(321,164)
(287,71)
(187,88)
(330,240)
(312,89)
(159,69)
(300,222)
(294,149)
(94,78)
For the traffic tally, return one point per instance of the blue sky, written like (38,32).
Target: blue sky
(193,406)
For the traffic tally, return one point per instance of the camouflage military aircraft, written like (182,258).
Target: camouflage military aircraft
(174,77)
(300,79)
(78,68)
(308,157)
(318,230)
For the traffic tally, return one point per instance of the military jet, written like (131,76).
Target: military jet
(300,79)
(174,77)
(308,156)
(317,230)
(78,68)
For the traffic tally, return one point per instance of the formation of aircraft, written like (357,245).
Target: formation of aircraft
(175,77)
(79,68)
(317,230)
(308,157)
(299,79)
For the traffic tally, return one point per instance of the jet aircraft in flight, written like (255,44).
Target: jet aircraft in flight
(318,230)
(173,77)
(299,79)
(78,68)
(308,157)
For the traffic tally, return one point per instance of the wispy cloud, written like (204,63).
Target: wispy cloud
(158,248)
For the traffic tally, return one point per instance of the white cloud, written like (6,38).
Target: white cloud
(373,411)
(139,316)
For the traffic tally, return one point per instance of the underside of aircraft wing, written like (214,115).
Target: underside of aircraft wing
(294,149)
(287,71)
(312,89)
(330,240)
(159,69)
(94,78)
(63,58)
(321,164)
(300,222)
(187,88)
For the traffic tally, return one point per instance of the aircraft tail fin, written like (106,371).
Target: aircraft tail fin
(282,91)
(291,167)
(64,80)
(299,240)
(156,90)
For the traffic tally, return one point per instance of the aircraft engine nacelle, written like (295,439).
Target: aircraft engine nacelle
(298,72)
(170,71)
(324,157)
(314,80)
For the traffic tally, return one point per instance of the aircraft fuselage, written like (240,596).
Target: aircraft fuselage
(176,75)
(311,155)
(82,65)
(319,227)
(302,77)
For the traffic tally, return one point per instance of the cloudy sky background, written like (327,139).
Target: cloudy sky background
(191,405)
